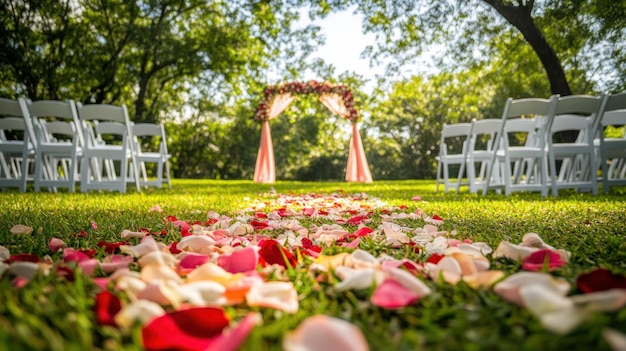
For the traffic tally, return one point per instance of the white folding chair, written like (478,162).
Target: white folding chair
(523,163)
(576,167)
(452,151)
(613,147)
(151,148)
(17,144)
(107,143)
(59,144)
(480,154)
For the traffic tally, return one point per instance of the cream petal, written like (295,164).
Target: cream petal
(355,278)
(483,279)
(563,321)
(131,285)
(324,333)
(509,288)
(5,254)
(331,262)
(162,292)
(540,299)
(126,234)
(409,281)
(362,258)
(148,244)
(26,270)
(277,295)
(142,311)
(153,272)
(196,243)
(615,339)
(605,301)
(203,293)
(210,271)
(20,229)
(512,251)
(158,257)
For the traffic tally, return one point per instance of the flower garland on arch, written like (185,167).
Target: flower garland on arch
(312,87)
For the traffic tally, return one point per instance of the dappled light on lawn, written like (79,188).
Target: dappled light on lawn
(204,285)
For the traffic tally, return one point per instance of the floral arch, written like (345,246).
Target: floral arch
(338,99)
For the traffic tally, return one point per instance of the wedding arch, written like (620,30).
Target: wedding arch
(337,98)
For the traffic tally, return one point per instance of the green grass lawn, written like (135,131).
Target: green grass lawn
(52,313)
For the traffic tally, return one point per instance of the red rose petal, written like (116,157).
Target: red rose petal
(106,307)
(600,279)
(185,330)
(273,252)
(538,259)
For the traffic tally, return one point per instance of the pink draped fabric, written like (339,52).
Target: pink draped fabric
(358,170)
(264,172)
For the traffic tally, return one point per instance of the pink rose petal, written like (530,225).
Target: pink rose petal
(239,261)
(56,244)
(392,294)
(537,260)
(324,333)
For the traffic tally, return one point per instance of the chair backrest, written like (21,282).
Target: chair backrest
(101,118)
(612,102)
(575,112)
(155,131)
(536,108)
(615,102)
(455,131)
(483,134)
(46,111)
(17,108)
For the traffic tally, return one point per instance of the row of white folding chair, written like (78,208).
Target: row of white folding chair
(531,165)
(158,155)
(611,150)
(453,152)
(17,145)
(56,139)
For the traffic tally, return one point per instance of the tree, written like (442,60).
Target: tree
(150,55)
(584,29)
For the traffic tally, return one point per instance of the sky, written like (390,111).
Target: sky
(345,42)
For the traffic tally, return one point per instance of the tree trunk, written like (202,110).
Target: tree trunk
(520,17)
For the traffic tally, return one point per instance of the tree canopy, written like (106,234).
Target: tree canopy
(201,68)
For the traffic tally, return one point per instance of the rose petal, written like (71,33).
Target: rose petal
(537,260)
(142,311)
(391,294)
(4,253)
(106,307)
(232,338)
(56,244)
(148,244)
(273,252)
(20,229)
(509,288)
(324,333)
(277,295)
(191,329)
(600,279)
(203,293)
(615,339)
(239,261)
